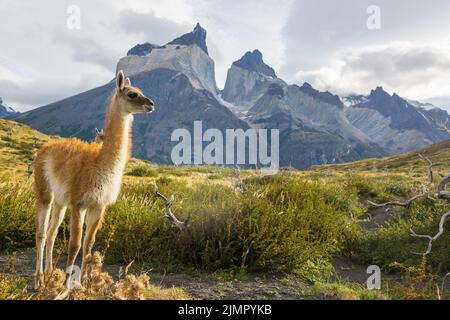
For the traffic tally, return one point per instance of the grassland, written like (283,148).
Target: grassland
(295,223)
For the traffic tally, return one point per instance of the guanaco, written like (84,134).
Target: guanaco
(84,177)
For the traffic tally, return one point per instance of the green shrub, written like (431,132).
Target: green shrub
(276,225)
(143,171)
(393,243)
(16,216)
(344,291)
(13,287)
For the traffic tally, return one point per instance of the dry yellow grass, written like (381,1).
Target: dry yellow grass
(18,144)
(100,285)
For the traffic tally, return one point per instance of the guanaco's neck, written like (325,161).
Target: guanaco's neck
(117,139)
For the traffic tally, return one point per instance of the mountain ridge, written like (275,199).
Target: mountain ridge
(315,127)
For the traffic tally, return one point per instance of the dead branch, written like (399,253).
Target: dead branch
(424,189)
(440,190)
(440,193)
(169,214)
(430,238)
(405,204)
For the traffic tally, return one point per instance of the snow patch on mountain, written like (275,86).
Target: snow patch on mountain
(190,60)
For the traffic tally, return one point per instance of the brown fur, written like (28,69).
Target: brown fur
(85,177)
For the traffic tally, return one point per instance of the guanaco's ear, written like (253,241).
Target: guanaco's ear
(97,131)
(128,82)
(120,80)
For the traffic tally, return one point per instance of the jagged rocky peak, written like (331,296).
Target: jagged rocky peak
(275,90)
(142,49)
(6,111)
(253,61)
(326,96)
(197,36)
(354,99)
(187,54)
(379,93)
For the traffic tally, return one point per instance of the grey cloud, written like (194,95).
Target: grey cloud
(412,71)
(26,95)
(391,60)
(31,94)
(151,28)
(86,49)
(318,28)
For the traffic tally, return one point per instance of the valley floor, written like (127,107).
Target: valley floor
(293,228)
(213,286)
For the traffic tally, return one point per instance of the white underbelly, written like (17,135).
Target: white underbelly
(106,190)
(58,188)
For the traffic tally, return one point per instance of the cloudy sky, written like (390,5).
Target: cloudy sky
(324,42)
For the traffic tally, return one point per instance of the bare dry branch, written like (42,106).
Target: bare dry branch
(169,214)
(430,238)
(430,170)
(405,204)
(424,193)
(440,191)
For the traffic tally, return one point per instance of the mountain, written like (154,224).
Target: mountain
(187,54)
(197,37)
(313,126)
(247,80)
(6,111)
(179,77)
(395,123)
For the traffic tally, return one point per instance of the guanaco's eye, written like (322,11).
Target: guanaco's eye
(132,95)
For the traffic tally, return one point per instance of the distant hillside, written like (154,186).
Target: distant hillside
(409,162)
(18,144)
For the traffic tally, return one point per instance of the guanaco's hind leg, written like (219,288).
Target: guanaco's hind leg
(43,207)
(94,218)
(76,232)
(56,218)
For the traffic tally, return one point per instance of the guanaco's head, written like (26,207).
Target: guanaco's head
(99,136)
(131,99)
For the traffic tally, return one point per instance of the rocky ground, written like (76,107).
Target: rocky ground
(219,286)
(210,286)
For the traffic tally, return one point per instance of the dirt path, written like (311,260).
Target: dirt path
(206,286)
(376,218)
(211,286)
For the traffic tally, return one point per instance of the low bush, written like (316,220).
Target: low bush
(17,227)
(142,171)
(277,225)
